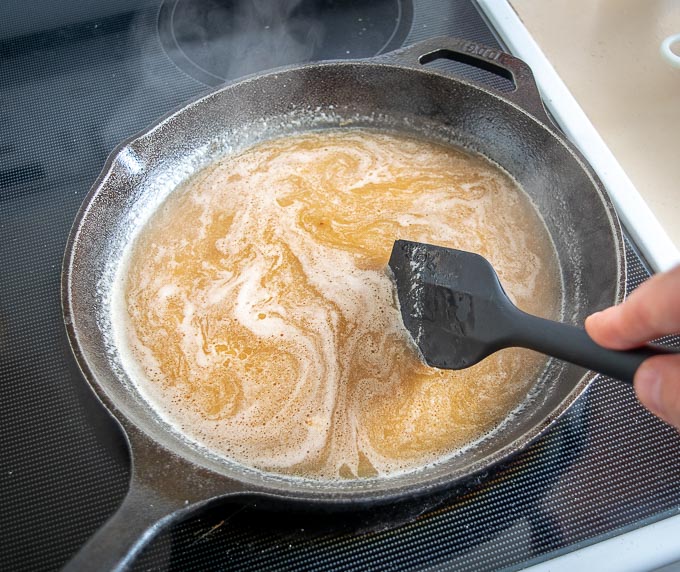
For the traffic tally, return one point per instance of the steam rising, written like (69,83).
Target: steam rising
(243,37)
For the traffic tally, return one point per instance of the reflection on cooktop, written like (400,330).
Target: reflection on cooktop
(218,40)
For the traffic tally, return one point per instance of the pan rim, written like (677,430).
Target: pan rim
(334,495)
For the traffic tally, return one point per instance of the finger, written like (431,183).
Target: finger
(657,385)
(652,310)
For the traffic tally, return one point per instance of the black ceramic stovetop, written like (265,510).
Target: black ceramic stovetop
(78,77)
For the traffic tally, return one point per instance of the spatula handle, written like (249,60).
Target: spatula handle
(574,345)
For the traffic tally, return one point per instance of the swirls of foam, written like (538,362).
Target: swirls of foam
(264,326)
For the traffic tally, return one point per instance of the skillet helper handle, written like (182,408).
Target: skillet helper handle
(494,60)
(574,345)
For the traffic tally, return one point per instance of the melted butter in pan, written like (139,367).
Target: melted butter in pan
(264,324)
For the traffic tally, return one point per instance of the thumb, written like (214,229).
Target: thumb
(657,385)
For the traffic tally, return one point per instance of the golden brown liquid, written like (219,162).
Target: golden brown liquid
(263,319)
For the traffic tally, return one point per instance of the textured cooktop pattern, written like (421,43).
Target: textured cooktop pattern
(69,94)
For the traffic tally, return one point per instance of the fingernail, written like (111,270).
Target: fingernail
(596,315)
(592,317)
(648,388)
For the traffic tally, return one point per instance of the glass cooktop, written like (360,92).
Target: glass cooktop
(78,77)
(218,40)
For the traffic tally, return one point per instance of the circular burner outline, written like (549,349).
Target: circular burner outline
(175,53)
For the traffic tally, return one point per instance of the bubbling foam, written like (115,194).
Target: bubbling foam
(263,323)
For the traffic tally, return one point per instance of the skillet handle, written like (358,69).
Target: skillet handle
(142,514)
(164,488)
(525,95)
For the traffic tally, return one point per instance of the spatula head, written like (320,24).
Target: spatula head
(452,303)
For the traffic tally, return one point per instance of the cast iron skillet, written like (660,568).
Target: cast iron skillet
(171,477)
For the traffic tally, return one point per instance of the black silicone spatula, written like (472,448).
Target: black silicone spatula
(454,307)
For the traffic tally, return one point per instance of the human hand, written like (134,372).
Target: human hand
(651,311)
